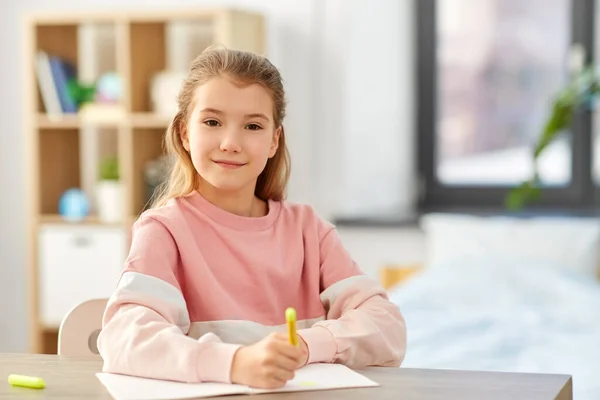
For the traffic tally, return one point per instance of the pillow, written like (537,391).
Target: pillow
(565,242)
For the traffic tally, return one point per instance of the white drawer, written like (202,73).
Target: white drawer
(77,263)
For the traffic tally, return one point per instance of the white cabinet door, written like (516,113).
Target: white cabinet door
(77,263)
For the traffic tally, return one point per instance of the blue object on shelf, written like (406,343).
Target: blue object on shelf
(109,88)
(62,72)
(74,205)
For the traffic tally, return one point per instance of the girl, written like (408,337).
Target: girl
(216,261)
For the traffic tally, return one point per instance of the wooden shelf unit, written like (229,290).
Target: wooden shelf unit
(138,49)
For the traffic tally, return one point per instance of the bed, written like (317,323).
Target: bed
(486,301)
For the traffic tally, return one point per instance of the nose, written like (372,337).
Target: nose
(231,141)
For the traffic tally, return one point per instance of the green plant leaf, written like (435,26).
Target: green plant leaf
(578,92)
(521,195)
(559,120)
(109,169)
(81,93)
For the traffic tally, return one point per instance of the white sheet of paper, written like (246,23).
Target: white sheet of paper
(323,377)
(311,377)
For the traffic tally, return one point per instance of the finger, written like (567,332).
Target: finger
(284,348)
(276,358)
(280,336)
(282,374)
(287,363)
(288,350)
(274,383)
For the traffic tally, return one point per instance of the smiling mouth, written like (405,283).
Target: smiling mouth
(229,164)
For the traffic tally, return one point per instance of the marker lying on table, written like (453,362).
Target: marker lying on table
(290,317)
(26,381)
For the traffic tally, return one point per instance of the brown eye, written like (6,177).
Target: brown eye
(253,127)
(212,123)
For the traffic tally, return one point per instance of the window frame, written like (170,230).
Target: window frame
(580,193)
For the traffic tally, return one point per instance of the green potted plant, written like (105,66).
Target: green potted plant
(579,94)
(109,191)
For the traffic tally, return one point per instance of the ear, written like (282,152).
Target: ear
(275,142)
(183,134)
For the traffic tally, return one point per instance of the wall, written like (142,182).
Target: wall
(364,124)
(364,121)
(379,155)
(12,172)
(374,248)
(347,70)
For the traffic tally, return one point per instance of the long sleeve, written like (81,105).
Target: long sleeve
(362,327)
(146,319)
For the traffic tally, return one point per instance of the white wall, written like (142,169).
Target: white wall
(364,125)
(365,115)
(12,172)
(374,248)
(379,156)
(347,70)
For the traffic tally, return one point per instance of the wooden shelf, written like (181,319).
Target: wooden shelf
(149,120)
(57,122)
(65,151)
(50,18)
(90,220)
(74,121)
(50,328)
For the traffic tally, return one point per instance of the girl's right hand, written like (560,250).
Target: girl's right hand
(267,364)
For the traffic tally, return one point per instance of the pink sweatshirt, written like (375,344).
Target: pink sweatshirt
(199,282)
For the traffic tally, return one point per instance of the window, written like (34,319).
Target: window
(488,71)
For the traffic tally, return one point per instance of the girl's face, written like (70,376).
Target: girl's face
(231,133)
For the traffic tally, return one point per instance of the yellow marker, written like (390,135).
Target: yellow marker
(26,381)
(290,317)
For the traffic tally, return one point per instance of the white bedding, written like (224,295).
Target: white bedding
(521,318)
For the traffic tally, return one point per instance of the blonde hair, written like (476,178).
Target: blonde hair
(243,67)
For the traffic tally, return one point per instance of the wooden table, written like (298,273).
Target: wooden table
(69,378)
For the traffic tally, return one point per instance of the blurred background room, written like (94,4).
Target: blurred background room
(452,142)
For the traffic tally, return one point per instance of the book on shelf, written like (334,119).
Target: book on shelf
(54,75)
